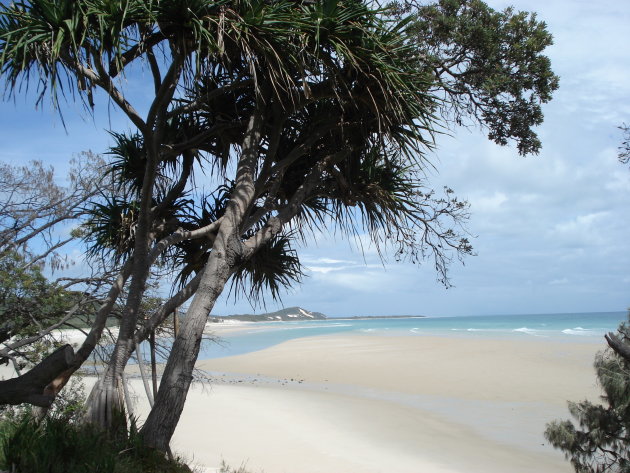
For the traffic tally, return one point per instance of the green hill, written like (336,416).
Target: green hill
(288,314)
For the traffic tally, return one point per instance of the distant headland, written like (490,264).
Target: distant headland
(298,313)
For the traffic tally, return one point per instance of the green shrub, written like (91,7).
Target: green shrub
(55,445)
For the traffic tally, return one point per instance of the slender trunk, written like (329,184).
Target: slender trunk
(98,410)
(143,375)
(153,363)
(128,401)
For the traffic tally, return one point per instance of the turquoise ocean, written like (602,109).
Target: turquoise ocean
(566,328)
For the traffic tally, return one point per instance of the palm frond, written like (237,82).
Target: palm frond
(273,268)
(110,227)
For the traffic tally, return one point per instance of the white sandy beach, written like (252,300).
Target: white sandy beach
(367,404)
(370,404)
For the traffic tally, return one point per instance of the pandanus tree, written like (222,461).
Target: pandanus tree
(268,120)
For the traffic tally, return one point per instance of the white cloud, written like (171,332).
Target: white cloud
(581,230)
(362,282)
(489,203)
(326,269)
(559,282)
(309,260)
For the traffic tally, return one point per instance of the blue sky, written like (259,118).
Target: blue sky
(550,231)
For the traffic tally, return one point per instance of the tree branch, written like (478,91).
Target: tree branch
(117,64)
(49,251)
(169,307)
(196,105)
(181,235)
(621,348)
(42,333)
(293,207)
(104,82)
(177,189)
(31,386)
(198,140)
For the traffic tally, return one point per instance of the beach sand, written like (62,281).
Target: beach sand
(368,404)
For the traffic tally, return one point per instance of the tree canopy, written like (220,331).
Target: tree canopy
(269,120)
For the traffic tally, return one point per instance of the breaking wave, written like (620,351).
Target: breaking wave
(581,331)
(529,331)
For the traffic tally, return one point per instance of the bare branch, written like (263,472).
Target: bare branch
(621,348)
(5,352)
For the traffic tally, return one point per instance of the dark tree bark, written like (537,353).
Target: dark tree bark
(153,363)
(34,387)
(621,348)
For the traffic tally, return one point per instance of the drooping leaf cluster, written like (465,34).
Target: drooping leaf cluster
(600,442)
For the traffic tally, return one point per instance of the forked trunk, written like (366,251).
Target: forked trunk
(226,254)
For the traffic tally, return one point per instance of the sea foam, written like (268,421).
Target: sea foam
(580,331)
(529,331)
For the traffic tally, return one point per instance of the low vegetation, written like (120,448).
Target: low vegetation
(56,445)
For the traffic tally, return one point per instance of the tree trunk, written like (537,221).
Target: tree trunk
(153,363)
(103,404)
(106,405)
(176,322)
(225,256)
(169,403)
(621,348)
(143,374)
